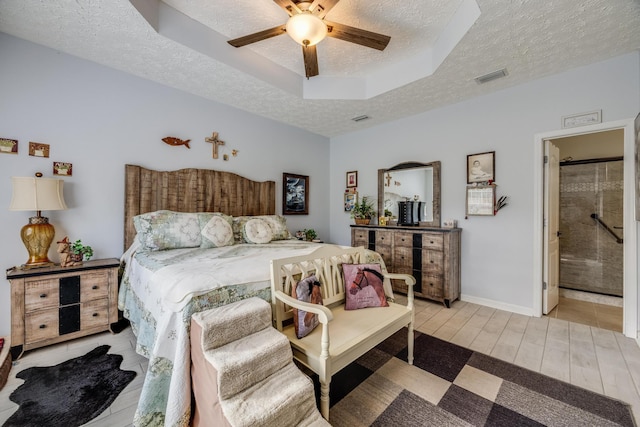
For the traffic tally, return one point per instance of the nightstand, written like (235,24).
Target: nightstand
(54,304)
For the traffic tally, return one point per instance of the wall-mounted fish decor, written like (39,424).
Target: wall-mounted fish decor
(176,141)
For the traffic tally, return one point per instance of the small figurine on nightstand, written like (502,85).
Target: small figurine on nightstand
(66,260)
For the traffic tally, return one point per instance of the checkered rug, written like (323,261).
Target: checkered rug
(453,386)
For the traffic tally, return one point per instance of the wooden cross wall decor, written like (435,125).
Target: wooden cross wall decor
(213,139)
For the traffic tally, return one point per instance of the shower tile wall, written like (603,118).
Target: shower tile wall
(590,257)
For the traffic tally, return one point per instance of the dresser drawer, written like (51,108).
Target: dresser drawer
(432,261)
(94,313)
(94,286)
(404,240)
(359,237)
(41,325)
(402,258)
(383,238)
(40,294)
(432,286)
(432,241)
(386,254)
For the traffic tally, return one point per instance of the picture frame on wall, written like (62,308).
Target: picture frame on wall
(295,197)
(352,179)
(481,167)
(38,149)
(62,168)
(8,146)
(350,200)
(481,200)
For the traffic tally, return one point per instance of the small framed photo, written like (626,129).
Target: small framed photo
(481,200)
(8,146)
(350,200)
(352,179)
(62,168)
(37,149)
(481,167)
(295,197)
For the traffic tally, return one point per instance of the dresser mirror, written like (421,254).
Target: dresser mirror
(417,187)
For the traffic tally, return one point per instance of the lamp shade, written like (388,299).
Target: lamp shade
(306,29)
(37,194)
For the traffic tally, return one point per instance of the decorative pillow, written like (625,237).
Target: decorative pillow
(216,229)
(277,223)
(257,231)
(167,230)
(307,290)
(363,286)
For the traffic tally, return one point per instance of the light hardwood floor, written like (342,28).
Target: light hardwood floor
(600,360)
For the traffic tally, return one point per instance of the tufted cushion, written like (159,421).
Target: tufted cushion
(277,223)
(216,229)
(257,231)
(167,230)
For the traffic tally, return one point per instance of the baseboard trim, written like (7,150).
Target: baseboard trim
(527,311)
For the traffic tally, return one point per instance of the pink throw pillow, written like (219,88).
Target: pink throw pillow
(363,286)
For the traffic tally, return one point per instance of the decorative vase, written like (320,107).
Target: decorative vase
(362,221)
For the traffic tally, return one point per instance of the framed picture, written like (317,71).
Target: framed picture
(481,167)
(38,150)
(62,168)
(295,197)
(352,179)
(582,119)
(8,146)
(481,200)
(350,200)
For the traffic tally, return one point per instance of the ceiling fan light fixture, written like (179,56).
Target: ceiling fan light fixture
(306,29)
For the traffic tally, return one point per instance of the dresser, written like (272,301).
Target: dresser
(430,254)
(55,304)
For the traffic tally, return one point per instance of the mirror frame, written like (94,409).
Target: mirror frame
(436,188)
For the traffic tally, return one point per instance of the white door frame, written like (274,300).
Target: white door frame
(630,260)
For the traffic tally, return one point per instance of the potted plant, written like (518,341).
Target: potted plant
(80,252)
(310,234)
(363,211)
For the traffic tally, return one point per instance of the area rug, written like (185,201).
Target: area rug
(71,393)
(453,386)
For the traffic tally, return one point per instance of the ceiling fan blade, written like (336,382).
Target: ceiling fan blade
(321,7)
(289,6)
(310,61)
(357,35)
(256,37)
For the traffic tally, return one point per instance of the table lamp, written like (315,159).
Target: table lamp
(37,194)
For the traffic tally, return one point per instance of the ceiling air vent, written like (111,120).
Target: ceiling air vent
(361,118)
(491,76)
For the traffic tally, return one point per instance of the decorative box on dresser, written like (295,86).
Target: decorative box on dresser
(54,304)
(430,254)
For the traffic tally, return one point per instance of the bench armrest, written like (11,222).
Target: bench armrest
(409,280)
(324,314)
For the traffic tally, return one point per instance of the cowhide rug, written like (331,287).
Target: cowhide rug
(71,393)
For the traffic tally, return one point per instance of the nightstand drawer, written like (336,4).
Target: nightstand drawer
(94,313)
(41,325)
(39,294)
(94,286)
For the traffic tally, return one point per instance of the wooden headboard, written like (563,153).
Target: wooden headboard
(193,190)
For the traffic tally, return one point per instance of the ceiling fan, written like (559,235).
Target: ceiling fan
(307,26)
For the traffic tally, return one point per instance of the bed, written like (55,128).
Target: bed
(167,279)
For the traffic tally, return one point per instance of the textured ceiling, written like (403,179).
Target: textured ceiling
(531,38)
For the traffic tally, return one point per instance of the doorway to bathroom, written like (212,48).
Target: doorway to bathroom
(590,229)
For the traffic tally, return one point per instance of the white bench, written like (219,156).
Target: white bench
(343,335)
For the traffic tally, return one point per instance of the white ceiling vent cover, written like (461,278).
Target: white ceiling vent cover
(492,76)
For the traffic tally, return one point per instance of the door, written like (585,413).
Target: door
(551,270)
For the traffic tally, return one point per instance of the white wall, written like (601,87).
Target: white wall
(497,256)
(100,119)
